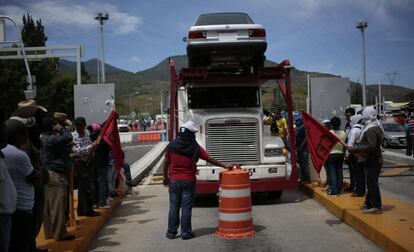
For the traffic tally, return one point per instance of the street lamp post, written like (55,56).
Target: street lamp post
(101,17)
(361,26)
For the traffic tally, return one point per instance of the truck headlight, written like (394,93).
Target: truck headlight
(277,152)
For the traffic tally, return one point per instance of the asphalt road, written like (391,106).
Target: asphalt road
(293,223)
(401,185)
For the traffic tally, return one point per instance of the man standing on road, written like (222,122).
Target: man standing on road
(369,151)
(23,175)
(180,176)
(302,150)
(358,190)
(82,151)
(55,139)
(8,194)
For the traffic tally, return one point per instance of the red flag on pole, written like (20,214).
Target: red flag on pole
(110,135)
(320,140)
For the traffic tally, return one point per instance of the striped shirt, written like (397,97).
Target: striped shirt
(411,126)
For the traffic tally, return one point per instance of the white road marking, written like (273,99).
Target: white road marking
(151,173)
(137,146)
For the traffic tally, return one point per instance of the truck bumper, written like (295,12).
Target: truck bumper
(262,185)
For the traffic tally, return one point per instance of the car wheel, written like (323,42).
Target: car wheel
(275,194)
(385,143)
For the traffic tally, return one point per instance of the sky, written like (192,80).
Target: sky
(315,35)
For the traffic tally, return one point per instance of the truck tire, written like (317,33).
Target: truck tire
(275,194)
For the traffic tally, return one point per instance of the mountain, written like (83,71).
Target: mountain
(90,66)
(149,82)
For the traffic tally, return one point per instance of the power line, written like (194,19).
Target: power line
(307,34)
(342,27)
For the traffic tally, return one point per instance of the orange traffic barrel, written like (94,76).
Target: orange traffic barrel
(235,205)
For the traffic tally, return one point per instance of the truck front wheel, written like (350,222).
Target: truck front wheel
(275,194)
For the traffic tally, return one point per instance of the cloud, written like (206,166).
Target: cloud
(80,16)
(135,59)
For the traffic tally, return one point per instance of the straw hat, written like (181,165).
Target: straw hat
(62,117)
(30,103)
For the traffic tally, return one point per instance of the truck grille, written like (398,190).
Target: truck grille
(236,142)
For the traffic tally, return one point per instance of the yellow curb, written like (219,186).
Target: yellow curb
(393,171)
(393,229)
(85,231)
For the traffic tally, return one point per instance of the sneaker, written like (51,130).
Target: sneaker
(331,194)
(372,210)
(364,206)
(170,236)
(188,236)
(325,189)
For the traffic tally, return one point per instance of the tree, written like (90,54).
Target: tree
(13,72)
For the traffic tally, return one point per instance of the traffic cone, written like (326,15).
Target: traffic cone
(235,205)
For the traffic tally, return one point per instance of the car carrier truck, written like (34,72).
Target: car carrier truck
(227,107)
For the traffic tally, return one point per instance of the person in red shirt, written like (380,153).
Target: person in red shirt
(180,167)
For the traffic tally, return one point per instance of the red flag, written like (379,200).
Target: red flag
(110,135)
(319,139)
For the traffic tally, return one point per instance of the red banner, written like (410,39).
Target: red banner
(110,135)
(319,139)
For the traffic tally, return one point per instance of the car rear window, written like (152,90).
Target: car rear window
(223,18)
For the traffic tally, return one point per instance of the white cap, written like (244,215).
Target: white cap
(191,126)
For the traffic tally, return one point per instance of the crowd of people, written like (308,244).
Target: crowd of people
(37,152)
(359,147)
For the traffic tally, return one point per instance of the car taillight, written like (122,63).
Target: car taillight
(196,34)
(257,33)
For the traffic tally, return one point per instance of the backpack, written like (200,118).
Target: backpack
(273,126)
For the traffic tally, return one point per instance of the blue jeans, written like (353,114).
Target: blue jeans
(127,171)
(335,174)
(303,160)
(111,178)
(182,194)
(372,170)
(5,231)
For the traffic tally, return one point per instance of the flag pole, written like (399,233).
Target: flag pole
(72,220)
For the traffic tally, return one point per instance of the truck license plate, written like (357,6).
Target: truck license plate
(273,170)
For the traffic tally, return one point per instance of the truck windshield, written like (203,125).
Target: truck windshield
(223,97)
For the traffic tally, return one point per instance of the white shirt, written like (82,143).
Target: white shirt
(353,135)
(19,167)
(8,194)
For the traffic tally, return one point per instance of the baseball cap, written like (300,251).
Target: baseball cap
(191,126)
